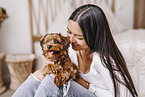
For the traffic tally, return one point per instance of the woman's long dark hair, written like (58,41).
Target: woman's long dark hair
(97,34)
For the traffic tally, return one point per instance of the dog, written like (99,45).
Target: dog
(55,49)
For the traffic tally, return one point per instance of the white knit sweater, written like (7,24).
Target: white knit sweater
(99,78)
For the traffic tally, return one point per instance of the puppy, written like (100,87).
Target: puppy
(55,50)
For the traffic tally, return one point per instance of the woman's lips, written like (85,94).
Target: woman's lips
(74,45)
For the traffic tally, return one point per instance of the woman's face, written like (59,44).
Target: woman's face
(75,35)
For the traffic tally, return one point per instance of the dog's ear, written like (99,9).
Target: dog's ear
(65,41)
(42,40)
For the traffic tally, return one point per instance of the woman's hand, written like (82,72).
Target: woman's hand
(83,83)
(39,74)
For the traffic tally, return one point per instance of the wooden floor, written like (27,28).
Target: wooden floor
(7,93)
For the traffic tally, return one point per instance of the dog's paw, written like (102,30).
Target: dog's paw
(62,78)
(51,69)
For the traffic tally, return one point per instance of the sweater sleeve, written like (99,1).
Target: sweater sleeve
(28,87)
(109,92)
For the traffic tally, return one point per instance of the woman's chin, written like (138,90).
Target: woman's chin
(75,49)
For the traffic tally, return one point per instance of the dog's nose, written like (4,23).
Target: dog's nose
(49,46)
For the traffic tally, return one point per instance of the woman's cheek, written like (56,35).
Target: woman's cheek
(84,44)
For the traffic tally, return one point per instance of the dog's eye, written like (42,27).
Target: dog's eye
(56,41)
(47,41)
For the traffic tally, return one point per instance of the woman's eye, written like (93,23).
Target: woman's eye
(80,38)
(69,32)
(56,41)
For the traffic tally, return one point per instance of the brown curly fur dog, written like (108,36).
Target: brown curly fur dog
(55,49)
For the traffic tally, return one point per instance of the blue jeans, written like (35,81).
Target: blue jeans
(46,88)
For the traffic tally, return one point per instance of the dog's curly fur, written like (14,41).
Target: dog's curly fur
(55,48)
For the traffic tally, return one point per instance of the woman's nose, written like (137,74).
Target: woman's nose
(72,39)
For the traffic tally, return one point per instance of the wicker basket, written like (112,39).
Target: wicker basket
(20,67)
(2,86)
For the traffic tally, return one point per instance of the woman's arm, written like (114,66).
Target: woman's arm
(97,91)
(83,83)
(39,74)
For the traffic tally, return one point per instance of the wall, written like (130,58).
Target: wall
(125,11)
(15,31)
(139,9)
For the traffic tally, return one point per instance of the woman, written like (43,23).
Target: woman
(102,67)
(90,34)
